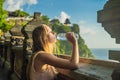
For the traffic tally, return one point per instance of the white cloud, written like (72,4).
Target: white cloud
(85,28)
(87,31)
(12,5)
(63,17)
(30,2)
(82,22)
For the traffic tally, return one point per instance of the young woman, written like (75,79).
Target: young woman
(43,62)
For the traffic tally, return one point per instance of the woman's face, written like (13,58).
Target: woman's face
(51,35)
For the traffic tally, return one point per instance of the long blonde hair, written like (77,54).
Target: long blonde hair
(40,43)
(40,39)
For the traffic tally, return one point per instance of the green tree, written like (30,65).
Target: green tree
(64,29)
(55,21)
(59,27)
(56,25)
(75,28)
(21,13)
(2,14)
(4,26)
(83,49)
(45,19)
(63,46)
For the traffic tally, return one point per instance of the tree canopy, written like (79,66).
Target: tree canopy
(63,46)
(19,13)
(3,14)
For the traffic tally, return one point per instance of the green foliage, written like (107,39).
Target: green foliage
(62,29)
(75,28)
(55,25)
(83,49)
(57,49)
(21,13)
(45,19)
(64,47)
(59,27)
(55,21)
(4,26)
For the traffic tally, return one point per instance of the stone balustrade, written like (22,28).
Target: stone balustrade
(92,69)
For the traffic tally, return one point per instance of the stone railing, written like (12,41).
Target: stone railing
(92,69)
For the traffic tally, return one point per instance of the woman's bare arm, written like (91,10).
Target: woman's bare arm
(75,52)
(50,59)
(56,61)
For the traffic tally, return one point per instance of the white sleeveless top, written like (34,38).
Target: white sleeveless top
(48,74)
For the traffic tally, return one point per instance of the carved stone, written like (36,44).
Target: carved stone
(110,18)
(16,55)
(27,46)
(27,31)
(114,55)
(7,36)
(17,36)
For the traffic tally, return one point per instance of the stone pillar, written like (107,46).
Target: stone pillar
(37,16)
(27,46)
(27,31)
(16,56)
(1,50)
(7,48)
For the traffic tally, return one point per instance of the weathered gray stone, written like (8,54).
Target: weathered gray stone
(93,69)
(27,31)
(114,55)
(110,18)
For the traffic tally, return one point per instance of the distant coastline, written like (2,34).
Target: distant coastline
(102,53)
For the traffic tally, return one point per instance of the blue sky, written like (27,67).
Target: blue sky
(82,12)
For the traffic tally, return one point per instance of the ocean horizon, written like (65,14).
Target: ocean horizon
(102,53)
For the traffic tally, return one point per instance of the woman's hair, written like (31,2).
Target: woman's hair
(40,39)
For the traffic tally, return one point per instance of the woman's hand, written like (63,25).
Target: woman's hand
(71,37)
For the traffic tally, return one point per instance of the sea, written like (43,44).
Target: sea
(102,53)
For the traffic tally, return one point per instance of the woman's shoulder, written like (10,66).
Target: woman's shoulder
(38,53)
(41,54)
(35,54)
